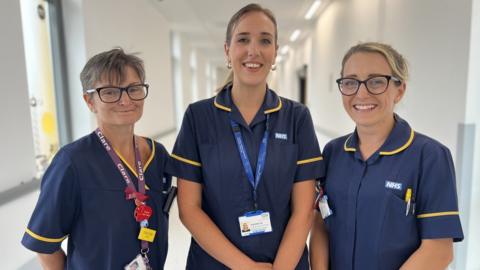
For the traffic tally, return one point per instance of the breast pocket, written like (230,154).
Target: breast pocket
(399,234)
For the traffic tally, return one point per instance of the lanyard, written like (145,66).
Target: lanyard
(262,154)
(131,191)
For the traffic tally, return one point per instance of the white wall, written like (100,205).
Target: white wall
(202,65)
(329,42)
(221,74)
(101,25)
(82,121)
(473,117)
(16,139)
(185,70)
(184,49)
(432,34)
(437,47)
(286,78)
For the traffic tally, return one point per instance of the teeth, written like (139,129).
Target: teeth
(252,65)
(364,106)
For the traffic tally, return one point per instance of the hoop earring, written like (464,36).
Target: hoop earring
(228,64)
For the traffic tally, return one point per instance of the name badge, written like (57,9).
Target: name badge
(253,223)
(137,264)
(324,207)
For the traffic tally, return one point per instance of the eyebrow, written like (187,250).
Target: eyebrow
(369,75)
(248,33)
(117,86)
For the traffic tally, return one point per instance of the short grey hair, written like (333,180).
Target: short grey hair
(110,65)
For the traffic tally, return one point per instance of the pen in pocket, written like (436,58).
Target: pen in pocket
(408,199)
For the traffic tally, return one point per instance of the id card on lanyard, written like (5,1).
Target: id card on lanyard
(257,221)
(321,202)
(142,211)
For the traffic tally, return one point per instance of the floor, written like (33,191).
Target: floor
(15,215)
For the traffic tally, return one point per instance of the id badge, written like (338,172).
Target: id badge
(324,207)
(136,264)
(253,223)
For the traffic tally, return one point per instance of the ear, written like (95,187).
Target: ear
(276,53)
(400,92)
(89,101)
(226,49)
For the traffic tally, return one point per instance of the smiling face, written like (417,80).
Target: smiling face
(365,109)
(124,112)
(252,49)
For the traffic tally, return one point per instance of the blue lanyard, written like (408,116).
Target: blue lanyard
(262,154)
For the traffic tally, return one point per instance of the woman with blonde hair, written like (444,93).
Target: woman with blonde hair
(389,199)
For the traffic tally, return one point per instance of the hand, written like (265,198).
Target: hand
(256,266)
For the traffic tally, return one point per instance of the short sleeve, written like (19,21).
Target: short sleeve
(310,163)
(436,202)
(185,160)
(54,214)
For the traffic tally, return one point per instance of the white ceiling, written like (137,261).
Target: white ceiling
(204,22)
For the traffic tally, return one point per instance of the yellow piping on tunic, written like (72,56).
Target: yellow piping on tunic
(407,144)
(438,214)
(188,161)
(310,160)
(45,239)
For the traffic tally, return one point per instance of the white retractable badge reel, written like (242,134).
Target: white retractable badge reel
(321,203)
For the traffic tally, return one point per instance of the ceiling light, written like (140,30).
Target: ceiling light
(295,35)
(313,8)
(284,49)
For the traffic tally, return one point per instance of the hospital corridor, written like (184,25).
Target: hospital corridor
(189,49)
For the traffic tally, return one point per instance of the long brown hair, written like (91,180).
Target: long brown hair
(233,23)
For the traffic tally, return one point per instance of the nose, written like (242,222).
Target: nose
(362,90)
(124,98)
(252,49)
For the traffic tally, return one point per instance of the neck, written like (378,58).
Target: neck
(248,98)
(371,138)
(120,137)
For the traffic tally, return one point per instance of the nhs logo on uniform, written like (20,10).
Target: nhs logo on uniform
(281,136)
(393,185)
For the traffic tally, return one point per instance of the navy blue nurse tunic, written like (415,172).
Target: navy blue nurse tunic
(82,197)
(205,152)
(370,228)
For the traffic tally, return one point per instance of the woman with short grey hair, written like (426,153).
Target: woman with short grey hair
(105,192)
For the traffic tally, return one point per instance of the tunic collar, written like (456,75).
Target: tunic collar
(399,139)
(223,100)
(271,103)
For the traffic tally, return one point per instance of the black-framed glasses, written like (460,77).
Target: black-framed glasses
(110,94)
(375,85)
